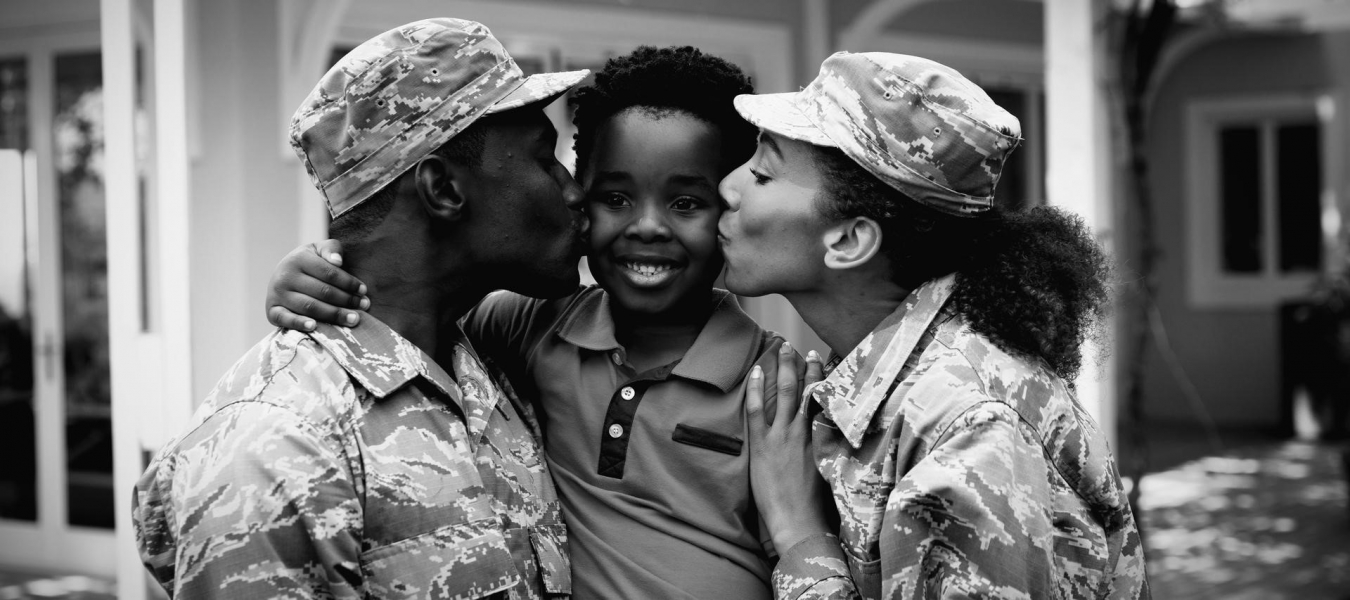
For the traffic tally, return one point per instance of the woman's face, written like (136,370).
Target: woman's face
(651,194)
(772,235)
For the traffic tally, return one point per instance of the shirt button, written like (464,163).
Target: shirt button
(627,393)
(618,360)
(616,430)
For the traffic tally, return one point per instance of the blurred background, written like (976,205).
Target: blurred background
(147,190)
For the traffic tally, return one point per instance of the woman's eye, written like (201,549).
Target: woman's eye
(760,178)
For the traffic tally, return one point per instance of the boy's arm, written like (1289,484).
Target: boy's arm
(309,285)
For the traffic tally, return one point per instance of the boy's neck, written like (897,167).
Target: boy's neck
(653,340)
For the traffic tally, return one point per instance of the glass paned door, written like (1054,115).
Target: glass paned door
(78,147)
(18,426)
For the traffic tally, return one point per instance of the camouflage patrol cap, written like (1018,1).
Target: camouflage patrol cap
(400,96)
(917,125)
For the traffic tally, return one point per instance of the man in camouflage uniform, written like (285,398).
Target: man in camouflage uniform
(382,460)
(958,470)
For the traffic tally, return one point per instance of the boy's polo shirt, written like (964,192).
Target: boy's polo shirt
(651,466)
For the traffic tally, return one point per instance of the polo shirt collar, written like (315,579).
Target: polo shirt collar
(721,355)
(853,391)
(381,360)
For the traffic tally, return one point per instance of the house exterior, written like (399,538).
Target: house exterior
(147,190)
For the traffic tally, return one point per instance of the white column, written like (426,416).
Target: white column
(1336,150)
(119,83)
(816,23)
(173,191)
(1079,175)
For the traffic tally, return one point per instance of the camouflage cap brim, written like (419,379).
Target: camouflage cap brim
(538,88)
(779,113)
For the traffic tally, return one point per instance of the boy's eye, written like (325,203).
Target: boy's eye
(610,199)
(687,203)
(760,178)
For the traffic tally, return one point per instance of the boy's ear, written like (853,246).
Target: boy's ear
(440,186)
(851,243)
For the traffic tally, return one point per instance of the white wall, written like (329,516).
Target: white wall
(243,210)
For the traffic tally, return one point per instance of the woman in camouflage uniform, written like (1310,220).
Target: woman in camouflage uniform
(959,461)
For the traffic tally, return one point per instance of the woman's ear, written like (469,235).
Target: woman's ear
(851,243)
(440,187)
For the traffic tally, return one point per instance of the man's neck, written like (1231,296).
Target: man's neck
(847,308)
(422,307)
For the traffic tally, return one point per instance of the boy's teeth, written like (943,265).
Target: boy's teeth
(648,270)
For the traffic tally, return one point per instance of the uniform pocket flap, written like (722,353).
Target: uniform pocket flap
(468,560)
(550,548)
(717,442)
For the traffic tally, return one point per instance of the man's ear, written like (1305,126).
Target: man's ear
(851,243)
(440,187)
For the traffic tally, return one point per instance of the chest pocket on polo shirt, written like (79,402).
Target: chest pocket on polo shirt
(467,560)
(711,440)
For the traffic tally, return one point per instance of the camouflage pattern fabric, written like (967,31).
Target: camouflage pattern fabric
(916,124)
(960,471)
(345,463)
(400,96)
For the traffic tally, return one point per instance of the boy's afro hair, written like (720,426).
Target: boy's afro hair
(675,79)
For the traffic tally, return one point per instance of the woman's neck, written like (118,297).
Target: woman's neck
(842,313)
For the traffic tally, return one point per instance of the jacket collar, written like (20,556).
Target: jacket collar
(853,391)
(721,356)
(381,360)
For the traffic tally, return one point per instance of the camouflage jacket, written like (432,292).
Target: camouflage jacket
(345,463)
(960,471)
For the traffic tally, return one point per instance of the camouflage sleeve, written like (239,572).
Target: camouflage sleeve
(971,519)
(264,505)
(815,568)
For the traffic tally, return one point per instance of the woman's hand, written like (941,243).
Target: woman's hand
(792,497)
(309,284)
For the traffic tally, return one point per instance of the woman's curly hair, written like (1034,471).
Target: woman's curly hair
(1034,282)
(677,79)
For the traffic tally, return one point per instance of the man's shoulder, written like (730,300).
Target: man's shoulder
(288,371)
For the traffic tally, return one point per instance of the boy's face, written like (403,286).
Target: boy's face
(772,233)
(651,189)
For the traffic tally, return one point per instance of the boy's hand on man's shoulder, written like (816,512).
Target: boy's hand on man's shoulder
(309,285)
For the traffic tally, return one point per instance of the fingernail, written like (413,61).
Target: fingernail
(308,325)
(786,348)
(756,372)
(812,355)
(361,291)
(335,258)
(365,303)
(351,318)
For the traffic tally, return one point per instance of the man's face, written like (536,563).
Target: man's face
(530,227)
(772,235)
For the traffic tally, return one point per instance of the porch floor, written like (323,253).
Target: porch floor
(1258,518)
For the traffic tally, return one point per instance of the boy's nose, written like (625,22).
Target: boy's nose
(650,225)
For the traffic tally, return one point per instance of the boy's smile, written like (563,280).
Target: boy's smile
(652,199)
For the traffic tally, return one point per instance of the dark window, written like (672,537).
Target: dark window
(1298,187)
(1240,197)
(1012,184)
